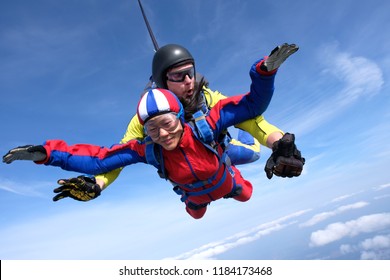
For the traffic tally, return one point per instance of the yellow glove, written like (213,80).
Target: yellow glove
(81,188)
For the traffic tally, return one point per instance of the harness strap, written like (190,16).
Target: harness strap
(154,156)
(203,127)
(202,183)
(186,194)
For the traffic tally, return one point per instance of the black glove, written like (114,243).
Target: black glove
(286,159)
(28,152)
(82,188)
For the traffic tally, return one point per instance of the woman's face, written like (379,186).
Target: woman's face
(165,130)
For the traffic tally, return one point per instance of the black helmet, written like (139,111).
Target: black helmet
(167,57)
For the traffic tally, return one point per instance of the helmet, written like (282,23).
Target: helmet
(157,102)
(166,57)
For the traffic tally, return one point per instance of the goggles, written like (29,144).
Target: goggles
(180,76)
(169,122)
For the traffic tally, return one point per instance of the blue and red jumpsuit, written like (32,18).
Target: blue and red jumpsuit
(190,162)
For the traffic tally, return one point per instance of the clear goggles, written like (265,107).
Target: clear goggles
(169,122)
(180,76)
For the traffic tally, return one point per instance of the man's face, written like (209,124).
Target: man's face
(184,90)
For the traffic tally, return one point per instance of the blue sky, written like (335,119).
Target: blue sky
(74,70)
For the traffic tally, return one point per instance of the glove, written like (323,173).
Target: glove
(81,188)
(28,152)
(278,56)
(286,159)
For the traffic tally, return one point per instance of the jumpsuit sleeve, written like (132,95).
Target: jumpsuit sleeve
(91,159)
(244,149)
(134,131)
(258,127)
(236,109)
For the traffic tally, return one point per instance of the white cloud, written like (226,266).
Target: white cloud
(378,242)
(343,197)
(349,77)
(93,230)
(209,251)
(375,248)
(26,189)
(337,231)
(382,196)
(326,215)
(347,249)
(382,187)
(372,255)
(361,76)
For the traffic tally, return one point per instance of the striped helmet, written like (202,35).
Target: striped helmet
(157,102)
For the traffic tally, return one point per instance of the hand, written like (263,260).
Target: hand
(81,188)
(278,56)
(286,159)
(28,152)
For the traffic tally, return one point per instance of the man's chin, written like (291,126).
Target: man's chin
(187,100)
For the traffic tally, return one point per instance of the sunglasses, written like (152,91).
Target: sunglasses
(180,76)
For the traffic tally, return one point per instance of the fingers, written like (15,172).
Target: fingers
(8,158)
(279,55)
(283,167)
(269,167)
(73,188)
(288,138)
(288,167)
(15,154)
(61,196)
(288,49)
(66,185)
(27,152)
(81,188)
(62,181)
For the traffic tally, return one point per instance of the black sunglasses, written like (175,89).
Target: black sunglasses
(180,76)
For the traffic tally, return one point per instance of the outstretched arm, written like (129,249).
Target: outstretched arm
(83,158)
(85,188)
(134,131)
(286,159)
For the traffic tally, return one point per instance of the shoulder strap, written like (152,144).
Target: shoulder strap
(153,156)
(205,134)
(203,128)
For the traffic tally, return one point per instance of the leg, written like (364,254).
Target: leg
(245,149)
(246,186)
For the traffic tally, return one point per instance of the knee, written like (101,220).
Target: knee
(245,194)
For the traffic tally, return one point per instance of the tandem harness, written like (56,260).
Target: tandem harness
(202,132)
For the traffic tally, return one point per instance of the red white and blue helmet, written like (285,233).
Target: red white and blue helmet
(157,102)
